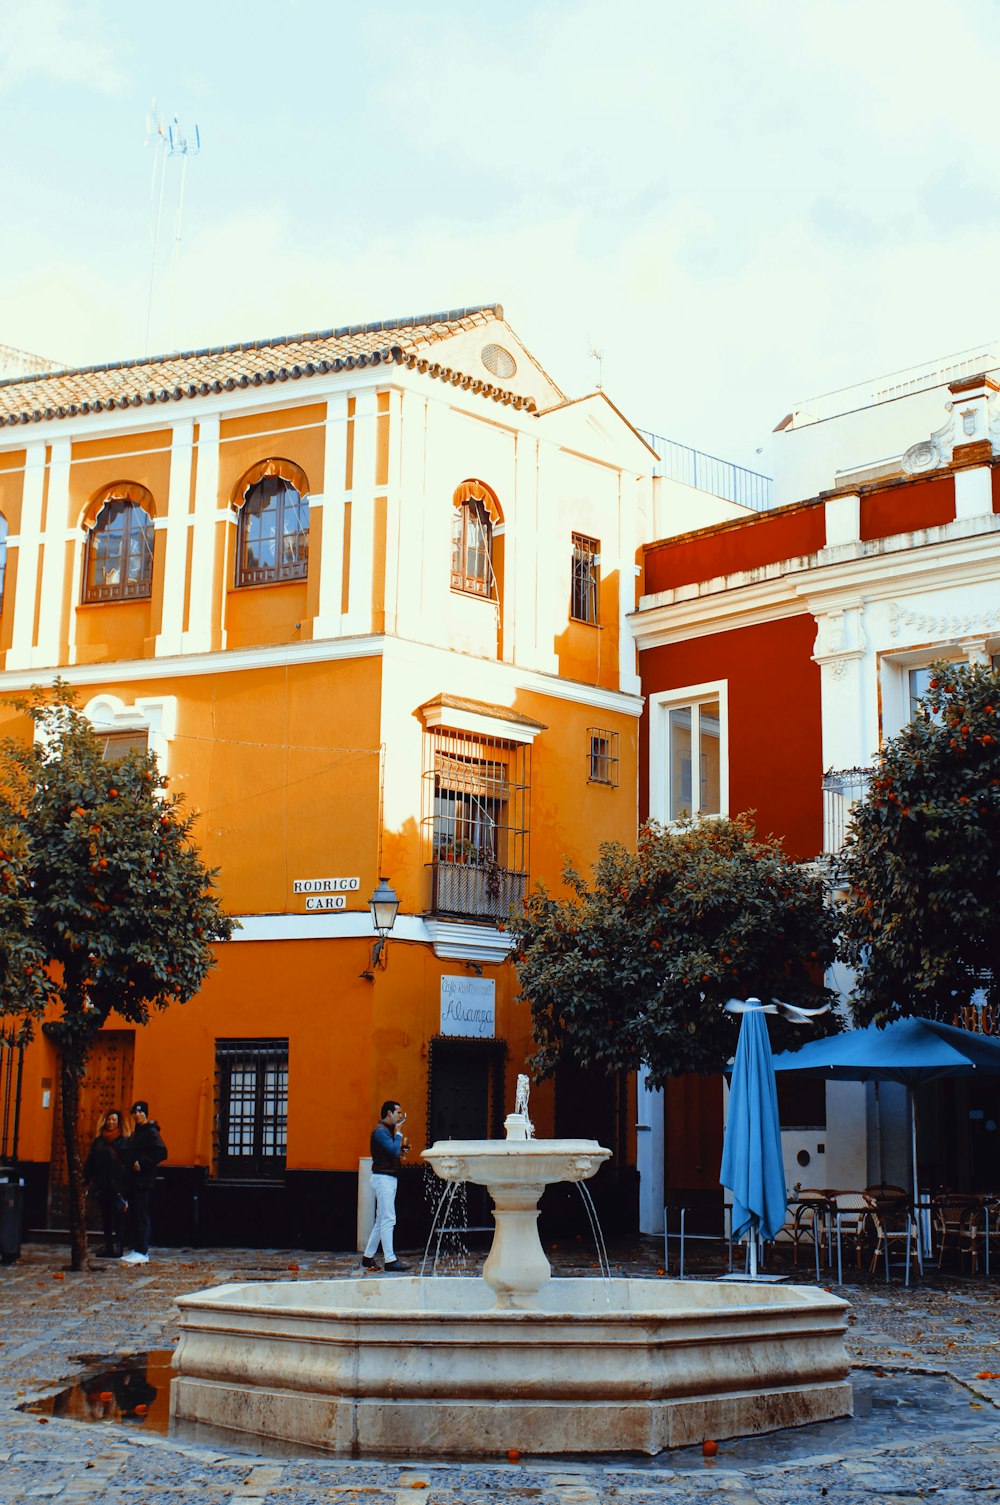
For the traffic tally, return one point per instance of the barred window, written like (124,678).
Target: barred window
(252,1108)
(476,808)
(119,554)
(586,579)
(3,554)
(115,745)
(603,757)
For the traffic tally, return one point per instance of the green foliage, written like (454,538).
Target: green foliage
(105,904)
(923,857)
(635,968)
(121,907)
(25,985)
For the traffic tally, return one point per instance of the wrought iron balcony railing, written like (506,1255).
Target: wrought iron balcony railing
(468,890)
(843,788)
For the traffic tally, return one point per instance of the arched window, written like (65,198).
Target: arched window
(475,517)
(273,525)
(119,558)
(3,555)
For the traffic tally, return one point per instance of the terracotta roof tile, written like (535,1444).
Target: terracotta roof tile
(194,373)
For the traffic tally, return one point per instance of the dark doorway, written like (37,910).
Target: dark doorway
(465,1100)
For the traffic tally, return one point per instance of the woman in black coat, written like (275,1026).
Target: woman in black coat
(104,1173)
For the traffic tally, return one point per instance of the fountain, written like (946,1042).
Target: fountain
(516,1359)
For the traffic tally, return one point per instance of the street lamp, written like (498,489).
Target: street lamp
(384,905)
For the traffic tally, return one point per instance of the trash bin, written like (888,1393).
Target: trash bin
(11,1215)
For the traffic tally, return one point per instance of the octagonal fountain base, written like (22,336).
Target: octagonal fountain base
(433,1367)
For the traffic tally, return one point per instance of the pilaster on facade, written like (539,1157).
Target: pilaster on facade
(328,622)
(56,543)
(629,540)
(521,548)
(19,654)
(973,492)
(394,564)
(408,471)
(199,636)
(174,539)
(358,617)
(850,722)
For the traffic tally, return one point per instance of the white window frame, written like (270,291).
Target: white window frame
(660,706)
(156,715)
(895,669)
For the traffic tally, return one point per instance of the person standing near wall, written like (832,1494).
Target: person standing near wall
(388,1148)
(104,1173)
(144,1153)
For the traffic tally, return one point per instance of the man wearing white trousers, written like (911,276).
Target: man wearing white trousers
(388,1148)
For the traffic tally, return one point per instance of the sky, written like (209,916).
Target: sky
(740,205)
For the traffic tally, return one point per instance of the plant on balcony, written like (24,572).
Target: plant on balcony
(923,858)
(103,887)
(633,968)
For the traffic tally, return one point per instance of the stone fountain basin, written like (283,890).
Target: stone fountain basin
(516,1162)
(403,1365)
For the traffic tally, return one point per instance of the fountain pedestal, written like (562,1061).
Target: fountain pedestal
(515,1172)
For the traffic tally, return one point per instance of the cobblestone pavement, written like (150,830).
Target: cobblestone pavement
(927,1397)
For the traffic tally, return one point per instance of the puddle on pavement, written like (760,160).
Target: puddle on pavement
(130,1388)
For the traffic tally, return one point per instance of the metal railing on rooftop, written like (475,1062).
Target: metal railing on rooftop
(936,373)
(693,467)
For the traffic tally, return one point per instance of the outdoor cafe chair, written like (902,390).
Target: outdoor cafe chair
(894,1224)
(959,1223)
(852,1213)
(810,1221)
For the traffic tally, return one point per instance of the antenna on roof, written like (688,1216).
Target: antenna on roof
(167,142)
(598,355)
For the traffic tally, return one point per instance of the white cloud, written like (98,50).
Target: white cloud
(60,42)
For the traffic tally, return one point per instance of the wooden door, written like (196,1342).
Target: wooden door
(107,1084)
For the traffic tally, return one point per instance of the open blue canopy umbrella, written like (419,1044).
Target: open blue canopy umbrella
(911,1051)
(752,1165)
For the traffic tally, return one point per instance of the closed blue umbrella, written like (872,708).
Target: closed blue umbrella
(752,1165)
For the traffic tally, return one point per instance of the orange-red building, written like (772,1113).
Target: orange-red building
(365,594)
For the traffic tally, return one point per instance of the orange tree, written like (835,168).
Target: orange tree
(118,905)
(634,968)
(923,857)
(25,985)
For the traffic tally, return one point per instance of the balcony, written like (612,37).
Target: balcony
(472,891)
(843,788)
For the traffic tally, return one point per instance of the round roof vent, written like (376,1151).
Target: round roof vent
(499,362)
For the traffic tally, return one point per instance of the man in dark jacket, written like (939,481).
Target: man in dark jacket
(145,1151)
(388,1147)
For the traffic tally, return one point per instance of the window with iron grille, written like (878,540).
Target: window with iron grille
(118,564)
(251,1108)
(272,533)
(586,579)
(603,757)
(115,745)
(476,823)
(3,554)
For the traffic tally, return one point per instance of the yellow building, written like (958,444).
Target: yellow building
(364,592)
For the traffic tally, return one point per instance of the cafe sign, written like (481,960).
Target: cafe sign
(468,1006)
(324,894)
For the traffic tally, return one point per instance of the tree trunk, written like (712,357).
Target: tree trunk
(71,1070)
